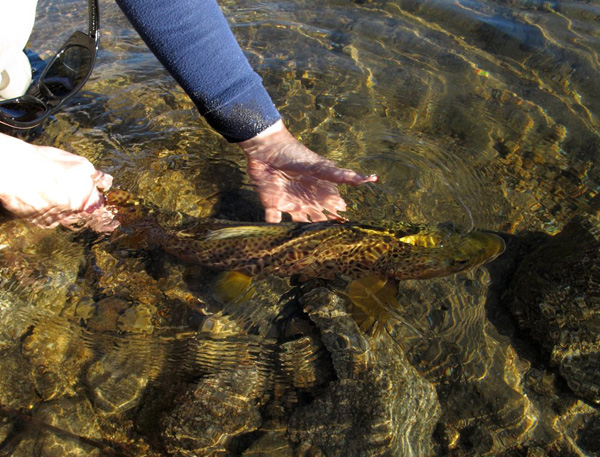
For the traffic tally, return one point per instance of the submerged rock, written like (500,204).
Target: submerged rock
(57,354)
(443,329)
(341,394)
(74,416)
(378,404)
(208,416)
(555,296)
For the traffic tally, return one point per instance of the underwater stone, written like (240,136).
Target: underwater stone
(74,415)
(379,405)
(117,380)
(16,388)
(555,296)
(301,361)
(272,444)
(57,354)
(208,416)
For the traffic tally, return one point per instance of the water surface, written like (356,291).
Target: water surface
(480,113)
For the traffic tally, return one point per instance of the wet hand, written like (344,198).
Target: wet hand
(291,178)
(49,186)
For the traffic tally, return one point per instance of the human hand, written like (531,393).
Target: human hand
(291,178)
(49,186)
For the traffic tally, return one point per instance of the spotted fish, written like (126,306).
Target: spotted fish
(307,250)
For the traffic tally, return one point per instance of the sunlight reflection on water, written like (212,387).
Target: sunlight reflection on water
(479,113)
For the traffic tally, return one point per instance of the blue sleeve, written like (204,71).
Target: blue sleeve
(192,39)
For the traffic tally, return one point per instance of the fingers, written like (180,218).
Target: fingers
(300,217)
(340,175)
(102,180)
(101,220)
(272,215)
(294,158)
(94,201)
(328,171)
(307,190)
(74,202)
(48,186)
(302,205)
(362,179)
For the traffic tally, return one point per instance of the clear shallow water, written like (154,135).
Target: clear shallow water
(480,113)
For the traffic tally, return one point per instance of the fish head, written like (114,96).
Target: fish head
(434,255)
(472,250)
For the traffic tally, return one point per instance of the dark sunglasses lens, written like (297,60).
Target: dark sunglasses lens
(68,71)
(23,110)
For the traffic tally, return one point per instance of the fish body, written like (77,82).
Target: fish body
(309,250)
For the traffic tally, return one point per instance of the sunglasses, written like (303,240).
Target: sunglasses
(63,77)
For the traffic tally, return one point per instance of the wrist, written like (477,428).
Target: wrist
(274,134)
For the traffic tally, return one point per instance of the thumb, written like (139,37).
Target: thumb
(102,180)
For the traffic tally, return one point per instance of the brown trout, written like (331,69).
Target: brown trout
(307,250)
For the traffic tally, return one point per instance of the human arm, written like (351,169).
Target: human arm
(49,186)
(192,39)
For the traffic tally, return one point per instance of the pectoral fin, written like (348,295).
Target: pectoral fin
(373,300)
(233,287)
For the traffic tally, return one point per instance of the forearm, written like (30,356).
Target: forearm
(192,39)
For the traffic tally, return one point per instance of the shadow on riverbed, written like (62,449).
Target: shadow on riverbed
(551,286)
